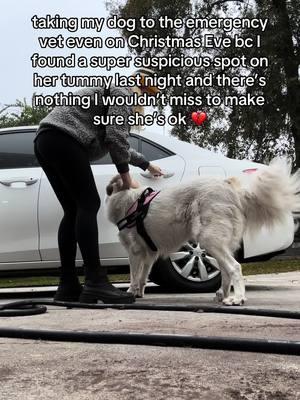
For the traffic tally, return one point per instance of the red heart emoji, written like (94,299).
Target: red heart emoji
(199,117)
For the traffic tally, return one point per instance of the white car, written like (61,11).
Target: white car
(30,213)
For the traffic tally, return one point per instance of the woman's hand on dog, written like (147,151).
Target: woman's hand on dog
(134,184)
(155,170)
(128,182)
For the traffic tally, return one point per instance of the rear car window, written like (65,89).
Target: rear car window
(16,150)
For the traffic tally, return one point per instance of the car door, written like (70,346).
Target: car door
(19,189)
(111,251)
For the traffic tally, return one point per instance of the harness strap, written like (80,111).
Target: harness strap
(136,218)
(140,227)
(129,220)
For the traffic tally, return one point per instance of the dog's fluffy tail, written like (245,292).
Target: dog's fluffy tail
(272,193)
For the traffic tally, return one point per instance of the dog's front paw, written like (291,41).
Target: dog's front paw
(219,296)
(135,291)
(234,301)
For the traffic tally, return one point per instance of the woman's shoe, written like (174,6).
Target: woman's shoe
(68,292)
(105,292)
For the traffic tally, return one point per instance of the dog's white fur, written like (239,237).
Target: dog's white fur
(212,211)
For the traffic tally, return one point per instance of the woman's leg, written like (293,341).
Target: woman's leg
(68,169)
(70,161)
(67,243)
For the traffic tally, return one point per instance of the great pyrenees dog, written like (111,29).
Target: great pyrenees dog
(214,212)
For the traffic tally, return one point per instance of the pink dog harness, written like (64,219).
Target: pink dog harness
(136,214)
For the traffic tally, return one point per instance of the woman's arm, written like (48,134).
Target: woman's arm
(139,160)
(128,182)
(116,139)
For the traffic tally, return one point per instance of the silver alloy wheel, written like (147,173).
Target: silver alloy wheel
(192,263)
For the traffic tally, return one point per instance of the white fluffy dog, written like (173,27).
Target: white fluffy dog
(214,212)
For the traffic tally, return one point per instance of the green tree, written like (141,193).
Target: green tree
(257,132)
(22,114)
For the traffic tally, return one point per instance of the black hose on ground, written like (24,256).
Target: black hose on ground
(33,307)
(203,342)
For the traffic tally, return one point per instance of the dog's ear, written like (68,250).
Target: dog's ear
(110,186)
(109,189)
(116,178)
(115,185)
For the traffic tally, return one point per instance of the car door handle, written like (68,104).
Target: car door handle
(27,181)
(166,175)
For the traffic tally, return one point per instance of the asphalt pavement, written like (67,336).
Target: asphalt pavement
(31,370)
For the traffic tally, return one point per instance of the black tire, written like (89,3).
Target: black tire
(164,274)
(170,276)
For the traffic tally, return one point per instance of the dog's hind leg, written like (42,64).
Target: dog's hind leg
(224,290)
(232,269)
(231,274)
(239,297)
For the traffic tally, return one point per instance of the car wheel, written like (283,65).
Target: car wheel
(189,269)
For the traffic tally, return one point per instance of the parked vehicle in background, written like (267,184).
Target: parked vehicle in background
(30,212)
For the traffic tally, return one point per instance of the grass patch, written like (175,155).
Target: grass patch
(29,281)
(271,267)
(266,267)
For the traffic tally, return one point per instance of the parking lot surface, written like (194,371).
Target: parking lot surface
(51,370)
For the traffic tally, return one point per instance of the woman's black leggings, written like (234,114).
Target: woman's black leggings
(66,164)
